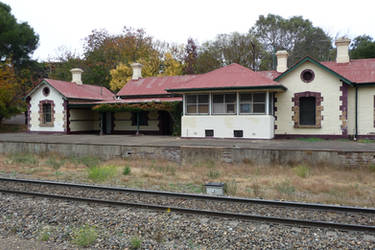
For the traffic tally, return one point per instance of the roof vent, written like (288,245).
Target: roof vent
(76,75)
(282,60)
(137,70)
(342,45)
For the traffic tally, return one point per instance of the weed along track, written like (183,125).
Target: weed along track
(305,214)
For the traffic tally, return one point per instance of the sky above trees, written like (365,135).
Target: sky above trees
(67,23)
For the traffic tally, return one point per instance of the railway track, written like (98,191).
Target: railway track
(292,213)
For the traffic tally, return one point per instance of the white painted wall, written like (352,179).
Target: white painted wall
(84,120)
(325,83)
(123,122)
(57,98)
(253,126)
(366,110)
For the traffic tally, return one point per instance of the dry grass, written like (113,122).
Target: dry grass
(322,183)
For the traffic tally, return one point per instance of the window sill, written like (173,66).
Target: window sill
(46,125)
(307,126)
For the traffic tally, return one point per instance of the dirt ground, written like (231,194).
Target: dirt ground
(325,184)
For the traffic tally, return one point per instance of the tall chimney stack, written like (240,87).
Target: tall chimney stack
(137,70)
(76,75)
(282,61)
(342,46)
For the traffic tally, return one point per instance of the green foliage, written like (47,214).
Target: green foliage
(85,236)
(103,173)
(230,188)
(296,35)
(371,168)
(302,171)
(17,40)
(23,158)
(285,188)
(126,170)
(135,243)
(167,169)
(362,47)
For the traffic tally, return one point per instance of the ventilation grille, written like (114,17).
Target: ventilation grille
(238,133)
(209,132)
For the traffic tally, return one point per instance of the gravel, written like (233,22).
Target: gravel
(27,217)
(236,207)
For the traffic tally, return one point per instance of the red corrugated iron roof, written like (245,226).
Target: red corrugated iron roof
(81,91)
(153,85)
(271,74)
(357,71)
(133,100)
(231,76)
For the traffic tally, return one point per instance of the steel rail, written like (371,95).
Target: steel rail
(269,219)
(201,196)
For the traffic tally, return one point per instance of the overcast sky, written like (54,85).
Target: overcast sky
(67,22)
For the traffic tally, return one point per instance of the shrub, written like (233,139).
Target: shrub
(135,243)
(302,171)
(101,173)
(84,236)
(126,170)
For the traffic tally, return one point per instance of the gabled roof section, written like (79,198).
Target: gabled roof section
(317,63)
(359,71)
(153,85)
(233,76)
(77,91)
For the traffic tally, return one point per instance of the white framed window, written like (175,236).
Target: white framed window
(224,103)
(252,103)
(197,104)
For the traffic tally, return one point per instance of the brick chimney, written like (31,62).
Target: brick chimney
(137,70)
(342,46)
(282,61)
(76,75)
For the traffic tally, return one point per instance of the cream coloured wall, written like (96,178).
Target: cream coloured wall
(366,110)
(351,111)
(57,98)
(123,122)
(253,126)
(325,83)
(83,120)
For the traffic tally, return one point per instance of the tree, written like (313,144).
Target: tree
(104,52)
(296,35)
(362,47)
(17,40)
(190,58)
(10,99)
(226,49)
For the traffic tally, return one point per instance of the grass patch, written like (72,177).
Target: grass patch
(168,170)
(311,139)
(85,236)
(126,170)
(135,243)
(285,188)
(302,171)
(230,188)
(88,161)
(372,168)
(45,234)
(55,163)
(213,174)
(365,141)
(103,173)
(25,159)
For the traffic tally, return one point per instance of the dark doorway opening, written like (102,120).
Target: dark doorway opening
(165,123)
(107,123)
